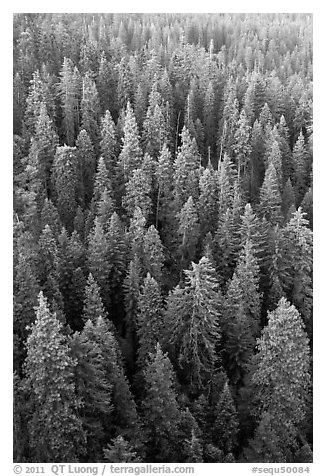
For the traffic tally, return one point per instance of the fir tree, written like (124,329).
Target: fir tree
(93,306)
(86,167)
(90,110)
(299,157)
(69,89)
(161,413)
(270,198)
(55,430)
(120,451)
(65,182)
(192,323)
(130,156)
(281,374)
(153,254)
(188,231)
(137,194)
(109,143)
(98,262)
(149,319)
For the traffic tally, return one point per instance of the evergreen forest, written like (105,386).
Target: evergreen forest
(162,229)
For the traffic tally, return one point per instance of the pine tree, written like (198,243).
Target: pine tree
(55,430)
(161,413)
(281,373)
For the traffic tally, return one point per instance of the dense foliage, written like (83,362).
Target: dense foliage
(162,237)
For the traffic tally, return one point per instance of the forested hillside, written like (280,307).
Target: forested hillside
(162,237)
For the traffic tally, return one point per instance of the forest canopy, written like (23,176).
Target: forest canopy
(163,216)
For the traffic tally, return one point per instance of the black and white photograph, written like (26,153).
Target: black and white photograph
(162,239)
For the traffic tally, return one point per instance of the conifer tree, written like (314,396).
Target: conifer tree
(26,289)
(149,319)
(270,198)
(161,413)
(109,143)
(188,231)
(192,323)
(65,182)
(131,289)
(288,197)
(98,262)
(154,128)
(55,430)
(92,388)
(208,205)
(48,269)
(225,427)
(123,419)
(90,110)
(209,116)
(102,180)
(120,451)
(242,147)
(153,254)
(45,142)
(116,256)
(105,209)
(131,154)
(300,166)
(137,194)
(86,167)
(226,179)
(69,89)
(50,216)
(185,169)
(298,239)
(281,373)
(93,306)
